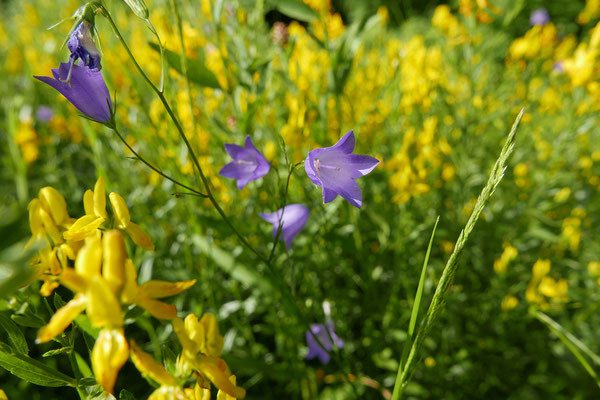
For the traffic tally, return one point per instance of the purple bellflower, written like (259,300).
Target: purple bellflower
(539,17)
(320,331)
(86,90)
(293,220)
(335,169)
(82,46)
(247,165)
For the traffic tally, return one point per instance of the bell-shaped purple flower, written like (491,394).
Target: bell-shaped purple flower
(293,220)
(86,90)
(82,46)
(247,165)
(320,331)
(335,169)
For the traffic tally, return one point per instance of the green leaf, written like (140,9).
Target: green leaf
(28,320)
(14,334)
(217,10)
(58,301)
(85,324)
(84,368)
(295,9)
(196,70)
(31,370)
(241,273)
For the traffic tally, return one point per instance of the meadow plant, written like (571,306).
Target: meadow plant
(425,102)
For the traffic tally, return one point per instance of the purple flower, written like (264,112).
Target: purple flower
(335,169)
(320,331)
(539,17)
(294,219)
(86,90)
(247,165)
(44,113)
(82,46)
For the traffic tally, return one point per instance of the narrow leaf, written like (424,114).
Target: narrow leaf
(15,335)
(295,9)
(31,370)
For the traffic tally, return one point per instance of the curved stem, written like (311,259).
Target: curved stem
(153,168)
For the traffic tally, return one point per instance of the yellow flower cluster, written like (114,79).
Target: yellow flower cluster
(420,155)
(509,254)
(542,288)
(93,263)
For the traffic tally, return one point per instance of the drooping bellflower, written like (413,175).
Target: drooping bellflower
(335,169)
(86,90)
(248,163)
(293,220)
(82,46)
(320,331)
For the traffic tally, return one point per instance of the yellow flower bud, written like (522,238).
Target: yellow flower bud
(120,209)
(113,264)
(55,203)
(89,259)
(35,220)
(148,366)
(62,319)
(88,202)
(108,356)
(100,198)
(103,307)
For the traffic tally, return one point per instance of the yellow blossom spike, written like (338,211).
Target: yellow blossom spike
(157,309)
(221,395)
(149,367)
(216,370)
(213,343)
(121,212)
(50,226)
(139,237)
(88,202)
(100,198)
(160,289)
(84,227)
(103,307)
(89,259)
(54,203)
(108,356)
(35,220)
(130,288)
(113,263)
(62,319)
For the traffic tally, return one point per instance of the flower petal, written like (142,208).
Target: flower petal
(108,356)
(156,308)
(139,237)
(346,143)
(62,319)
(148,366)
(361,164)
(160,289)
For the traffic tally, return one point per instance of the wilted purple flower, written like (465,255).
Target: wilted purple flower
(293,220)
(247,165)
(335,169)
(320,331)
(82,46)
(86,90)
(539,17)
(44,113)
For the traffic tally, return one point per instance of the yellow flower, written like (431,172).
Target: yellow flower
(108,356)
(509,302)
(94,203)
(202,344)
(507,256)
(149,367)
(3,395)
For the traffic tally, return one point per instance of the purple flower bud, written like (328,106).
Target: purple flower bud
(247,165)
(320,331)
(293,220)
(539,17)
(335,169)
(82,46)
(86,90)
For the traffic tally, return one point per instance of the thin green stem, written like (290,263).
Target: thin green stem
(153,168)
